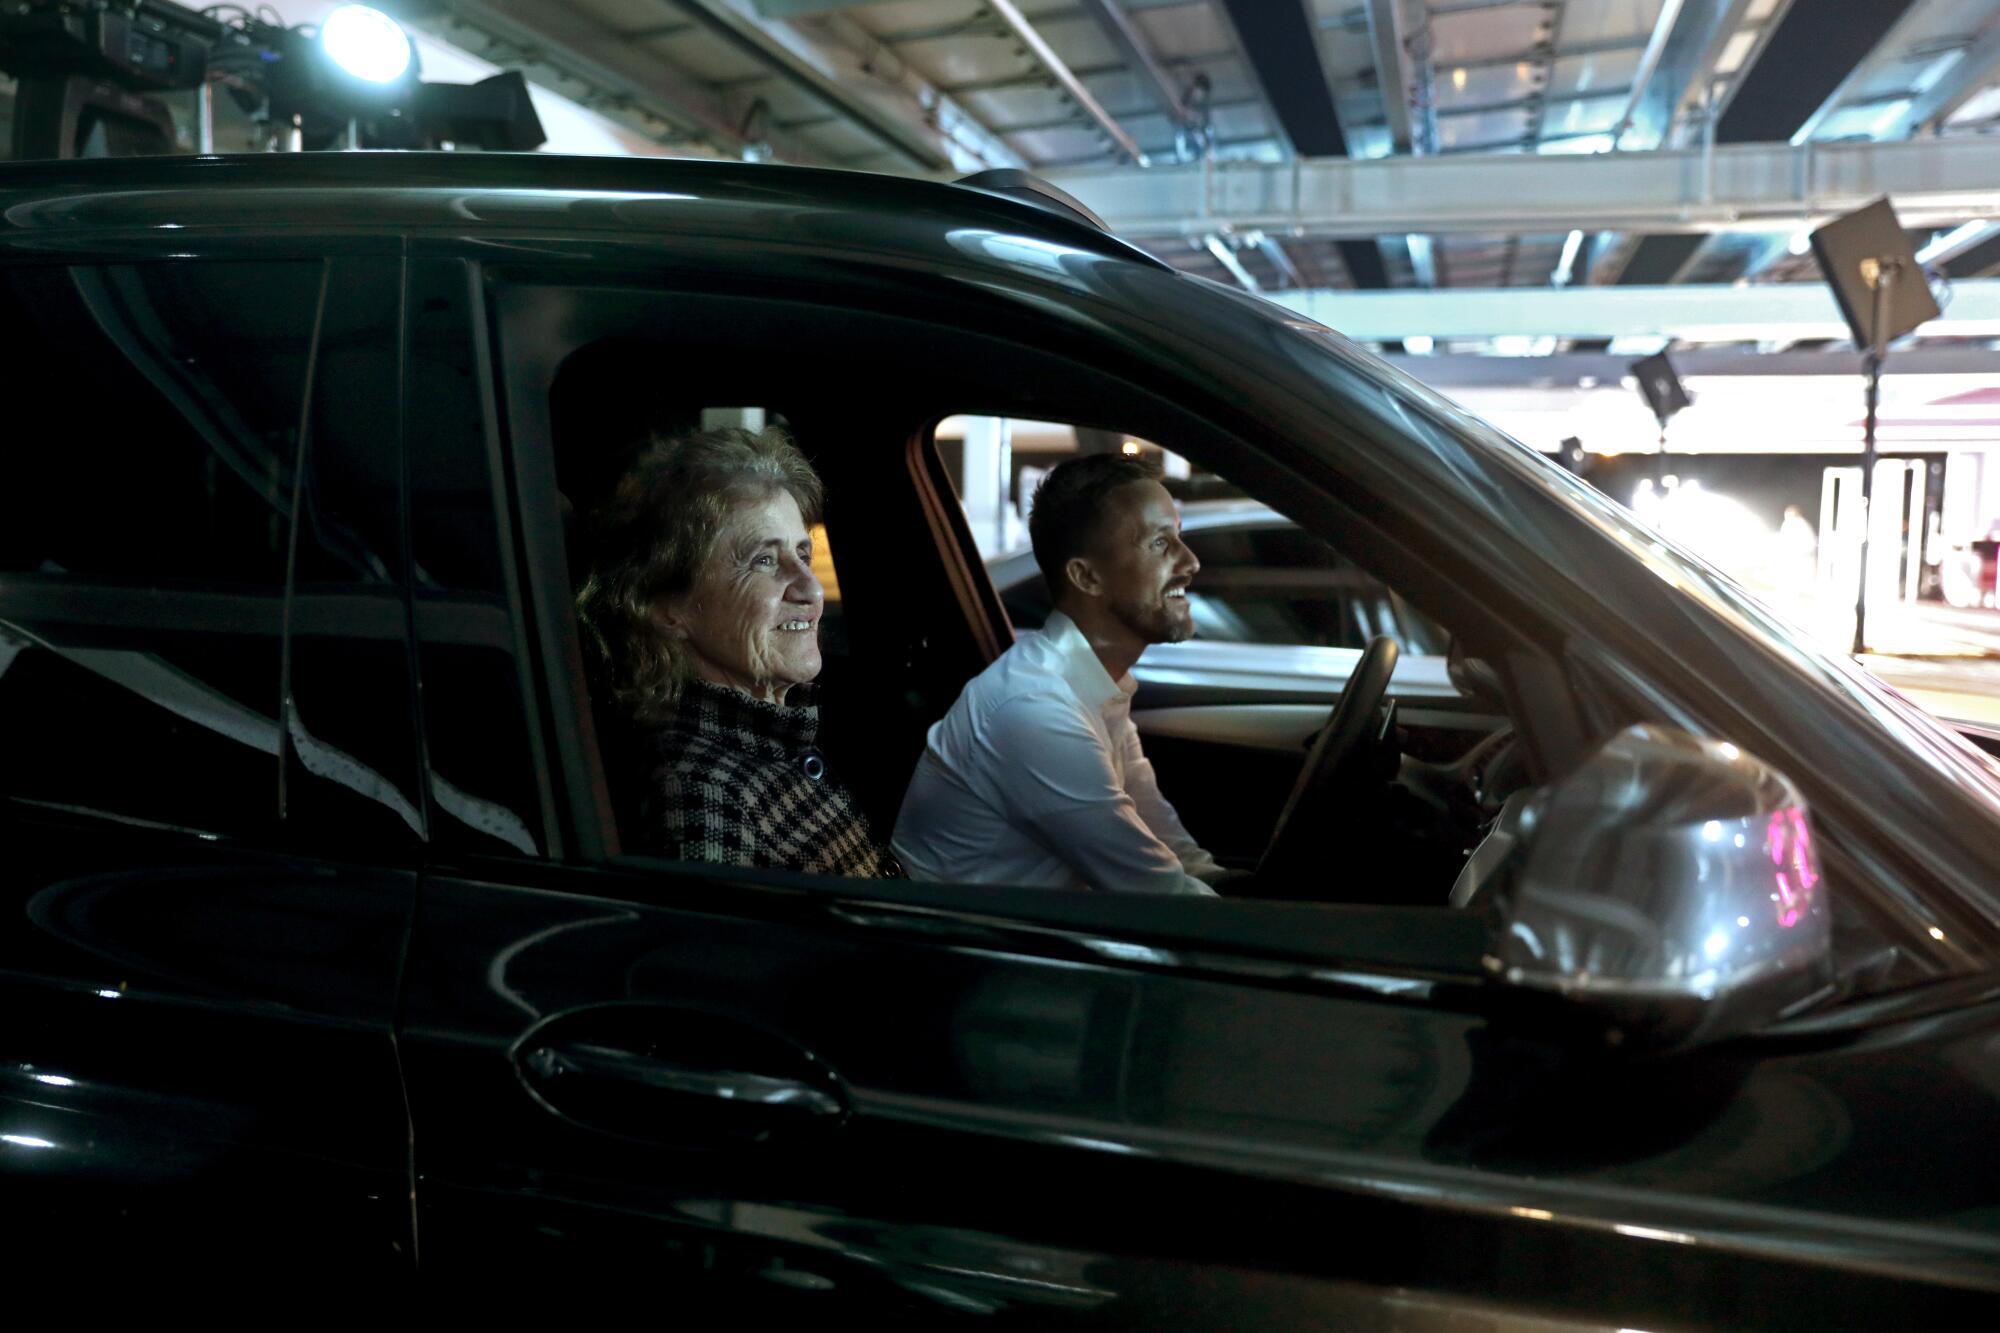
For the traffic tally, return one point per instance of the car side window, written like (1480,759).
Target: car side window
(1263,580)
(486,778)
(350,714)
(145,543)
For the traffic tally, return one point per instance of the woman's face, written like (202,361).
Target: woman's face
(751,621)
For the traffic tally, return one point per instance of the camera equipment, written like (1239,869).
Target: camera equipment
(84,68)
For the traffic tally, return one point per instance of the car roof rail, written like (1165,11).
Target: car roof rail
(1032,189)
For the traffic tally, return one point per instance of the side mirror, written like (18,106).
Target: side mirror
(1665,892)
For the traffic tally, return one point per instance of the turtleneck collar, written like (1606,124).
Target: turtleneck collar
(768,731)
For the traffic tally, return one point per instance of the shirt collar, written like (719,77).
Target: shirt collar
(1080,666)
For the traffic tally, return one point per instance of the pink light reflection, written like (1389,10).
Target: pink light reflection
(1790,844)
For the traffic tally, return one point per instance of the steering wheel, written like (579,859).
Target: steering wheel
(1331,764)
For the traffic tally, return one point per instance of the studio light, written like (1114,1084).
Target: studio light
(367,44)
(358,65)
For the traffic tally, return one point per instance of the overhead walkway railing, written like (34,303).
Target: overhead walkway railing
(1770,312)
(1740,187)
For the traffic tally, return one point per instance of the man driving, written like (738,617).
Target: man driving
(1035,777)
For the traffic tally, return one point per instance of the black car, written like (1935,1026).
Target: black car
(1552,1006)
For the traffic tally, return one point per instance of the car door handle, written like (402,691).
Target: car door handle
(788,1096)
(678,1076)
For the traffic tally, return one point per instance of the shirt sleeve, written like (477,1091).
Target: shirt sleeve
(1060,783)
(1157,812)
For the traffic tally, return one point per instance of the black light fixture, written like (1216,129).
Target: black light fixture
(88,73)
(1663,392)
(91,73)
(355,82)
(355,68)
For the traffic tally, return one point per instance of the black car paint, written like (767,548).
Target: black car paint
(1105,1110)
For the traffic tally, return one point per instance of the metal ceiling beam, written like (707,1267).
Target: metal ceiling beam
(1095,161)
(1573,368)
(1536,55)
(1279,43)
(565,50)
(1676,69)
(792,9)
(1528,103)
(1972,71)
(1136,113)
(1947,246)
(1227,258)
(1039,47)
(1676,75)
(1810,52)
(1138,53)
(1813,51)
(1041,80)
(1392,73)
(1981,259)
(874,62)
(1778,311)
(1282,47)
(1409,104)
(1745,187)
(900,110)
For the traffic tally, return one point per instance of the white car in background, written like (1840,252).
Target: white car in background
(1278,615)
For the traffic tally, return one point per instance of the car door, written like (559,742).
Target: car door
(759,1089)
(755,1091)
(210,805)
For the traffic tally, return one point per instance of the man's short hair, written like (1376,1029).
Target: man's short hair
(1068,513)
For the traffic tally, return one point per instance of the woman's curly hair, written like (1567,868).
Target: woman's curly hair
(649,541)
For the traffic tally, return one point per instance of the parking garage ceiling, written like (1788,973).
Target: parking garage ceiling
(1105,92)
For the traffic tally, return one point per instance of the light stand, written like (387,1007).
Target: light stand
(1882,279)
(1661,387)
(1870,267)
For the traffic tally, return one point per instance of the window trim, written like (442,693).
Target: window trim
(482,329)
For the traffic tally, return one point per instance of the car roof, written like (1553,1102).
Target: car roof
(358,188)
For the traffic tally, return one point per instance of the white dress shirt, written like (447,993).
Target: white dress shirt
(1035,778)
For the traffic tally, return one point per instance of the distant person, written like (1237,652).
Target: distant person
(1035,776)
(704,611)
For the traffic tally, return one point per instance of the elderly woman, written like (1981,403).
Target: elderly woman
(703,607)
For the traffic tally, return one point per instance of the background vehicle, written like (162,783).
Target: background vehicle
(1271,600)
(316,905)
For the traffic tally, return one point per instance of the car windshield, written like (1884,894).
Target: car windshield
(1674,565)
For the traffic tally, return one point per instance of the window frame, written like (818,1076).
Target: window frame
(538,316)
(424,259)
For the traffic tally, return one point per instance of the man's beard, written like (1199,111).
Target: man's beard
(1158,622)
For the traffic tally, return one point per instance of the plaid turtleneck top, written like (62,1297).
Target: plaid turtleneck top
(740,781)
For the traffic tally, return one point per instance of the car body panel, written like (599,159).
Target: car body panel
(200,1036)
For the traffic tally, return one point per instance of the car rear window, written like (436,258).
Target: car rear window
(183,471)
